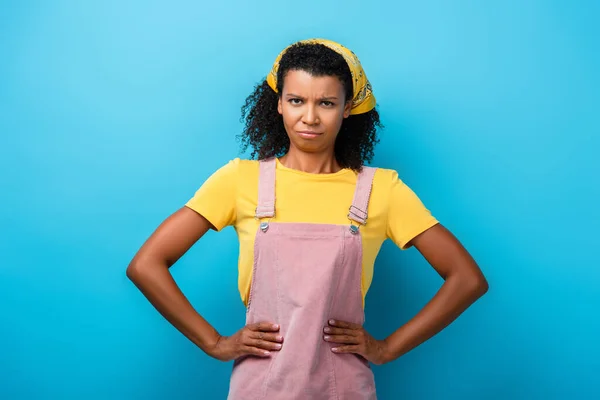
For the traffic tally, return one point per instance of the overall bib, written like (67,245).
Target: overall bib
(303,276)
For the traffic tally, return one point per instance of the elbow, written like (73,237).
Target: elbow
(135,270)
(477,286)
(143,267)
(132,271)
(472,286)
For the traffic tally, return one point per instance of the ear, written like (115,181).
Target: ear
(347,108)
(279,108)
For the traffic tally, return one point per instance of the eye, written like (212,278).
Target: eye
(327,103)
(295,102)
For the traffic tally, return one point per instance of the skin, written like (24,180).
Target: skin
(463,284)
(315,104)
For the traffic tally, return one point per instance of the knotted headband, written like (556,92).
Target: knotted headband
(363,99)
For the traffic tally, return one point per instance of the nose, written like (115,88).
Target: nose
(310,116)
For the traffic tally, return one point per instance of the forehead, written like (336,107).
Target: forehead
(301,82)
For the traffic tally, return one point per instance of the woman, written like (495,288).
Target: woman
(310,218)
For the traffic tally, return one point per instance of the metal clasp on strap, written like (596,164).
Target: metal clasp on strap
(357,215)
(264,225)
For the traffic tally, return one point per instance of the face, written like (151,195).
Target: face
(313,109)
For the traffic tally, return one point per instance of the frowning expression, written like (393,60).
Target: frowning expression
(313,109)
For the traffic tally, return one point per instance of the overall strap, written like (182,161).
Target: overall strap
(266,189)
(360,203)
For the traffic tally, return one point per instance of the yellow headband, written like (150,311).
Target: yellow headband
(363,99)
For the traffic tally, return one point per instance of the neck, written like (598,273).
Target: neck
(313,163)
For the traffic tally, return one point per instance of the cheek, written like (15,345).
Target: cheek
(290,114)
(336,120)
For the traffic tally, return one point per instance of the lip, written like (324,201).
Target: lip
(308,134)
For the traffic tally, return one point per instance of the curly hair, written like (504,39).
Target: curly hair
(263,125)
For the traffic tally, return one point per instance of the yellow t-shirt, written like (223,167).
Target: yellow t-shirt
(229,197)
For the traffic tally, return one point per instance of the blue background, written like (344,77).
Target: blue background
(113,113)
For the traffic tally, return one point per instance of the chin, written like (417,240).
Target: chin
(308,146)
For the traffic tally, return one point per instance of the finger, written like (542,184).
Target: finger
(341,331)
(270,337)
(344,324)
(263,344)
(342,339)
(346,349)
(264,326)
(256,351)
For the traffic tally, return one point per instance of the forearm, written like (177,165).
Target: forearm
(159,287)
(454,297)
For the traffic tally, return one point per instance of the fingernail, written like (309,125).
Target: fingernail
(327,330)
(331,321)
(279,338)
(275,326)
(334,349)
(327,337)
(266,353)
(278,346)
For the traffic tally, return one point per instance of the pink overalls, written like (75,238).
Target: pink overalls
(304,275)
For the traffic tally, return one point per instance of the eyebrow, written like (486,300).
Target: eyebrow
(302,98)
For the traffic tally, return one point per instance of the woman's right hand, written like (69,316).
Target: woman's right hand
(256,340)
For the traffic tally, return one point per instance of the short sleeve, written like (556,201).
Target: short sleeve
(215,200)
(407,216)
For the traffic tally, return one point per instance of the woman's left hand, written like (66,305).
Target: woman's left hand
(353,338)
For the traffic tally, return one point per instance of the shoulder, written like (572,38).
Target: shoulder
(388,185)
(242,173)
(244,162)
(232,172)
(386,178)
(240,163)
(247,170)
(239,167)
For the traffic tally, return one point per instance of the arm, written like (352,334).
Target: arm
(463,284)
(149,271)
